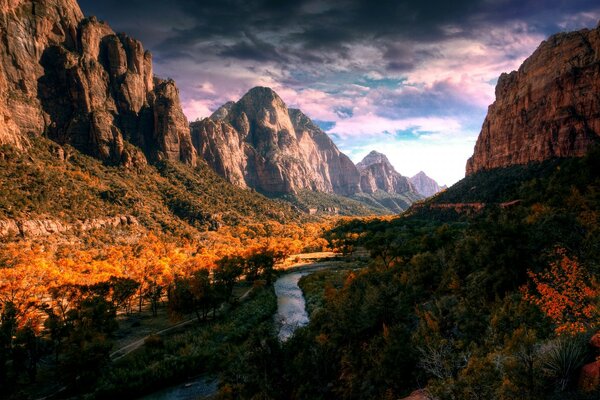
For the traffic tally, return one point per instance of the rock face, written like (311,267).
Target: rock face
(424,185)
(29,228)
(377,173)
(74,80)
(548,108)
(259,143)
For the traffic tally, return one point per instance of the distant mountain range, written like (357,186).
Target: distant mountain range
(260,143)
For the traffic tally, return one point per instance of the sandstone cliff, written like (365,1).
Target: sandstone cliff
(424,185)
(259,143)
(76,81)
(548,108)
(377,173)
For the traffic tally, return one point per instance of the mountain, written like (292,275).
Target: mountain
(81,117)
(425,185)
(259,143)
(377,173)
(381,185)
(75,81)
(548,108)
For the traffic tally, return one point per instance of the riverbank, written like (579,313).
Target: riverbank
(178,358)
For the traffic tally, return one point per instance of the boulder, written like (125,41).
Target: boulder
(589,378)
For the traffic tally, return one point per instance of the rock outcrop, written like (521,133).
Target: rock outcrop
(377,173)
(425,185)
(30,228)
(76,81)
(589,376)
(548,108)
(259,143)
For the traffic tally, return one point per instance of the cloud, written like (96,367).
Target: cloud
(374,73)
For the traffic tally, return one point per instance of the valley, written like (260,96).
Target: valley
(274,249)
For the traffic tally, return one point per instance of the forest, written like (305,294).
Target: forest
(497,301)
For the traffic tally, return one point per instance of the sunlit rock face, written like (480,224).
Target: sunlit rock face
(76,81)
(259,143)
(548,108)
(377,173)
(425,185)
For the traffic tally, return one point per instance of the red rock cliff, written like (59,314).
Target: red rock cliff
(549,108)
(74,80)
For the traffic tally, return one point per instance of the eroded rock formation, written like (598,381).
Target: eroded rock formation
(259,143)
(30,228)
(377,173)
(76,81)
(548,108)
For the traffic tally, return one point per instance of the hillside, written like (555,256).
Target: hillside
(71,187)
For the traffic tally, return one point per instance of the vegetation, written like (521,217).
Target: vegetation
(494,303)
(63,306)
(208,348)
(169,197)
(326,203)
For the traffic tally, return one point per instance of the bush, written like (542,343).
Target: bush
(562,358)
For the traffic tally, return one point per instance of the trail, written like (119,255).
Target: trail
(131,347)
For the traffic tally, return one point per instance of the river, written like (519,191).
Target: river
(291,315)
(291,307)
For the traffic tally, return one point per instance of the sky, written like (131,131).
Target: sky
(411,79)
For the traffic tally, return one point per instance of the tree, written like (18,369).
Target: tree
(122,290)
(226,274)
(203,292)
(565,294)
(8,328)
(88,346)
(260,265)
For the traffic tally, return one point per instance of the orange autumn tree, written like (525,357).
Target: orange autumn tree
(566,294)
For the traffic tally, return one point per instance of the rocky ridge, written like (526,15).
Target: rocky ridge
(259,143)
(29,228)
(377,173)
(425,185)
(76,81)
(548,108)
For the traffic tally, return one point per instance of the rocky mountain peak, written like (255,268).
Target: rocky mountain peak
(223,111)
(257,142)
(372,158)
(76,81)
(378,174)
(548,108)
(425,185)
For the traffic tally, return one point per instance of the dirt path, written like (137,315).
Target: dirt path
(131,347)
(125,350)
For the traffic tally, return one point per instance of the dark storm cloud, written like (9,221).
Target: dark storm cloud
(363,68)
(315,26)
